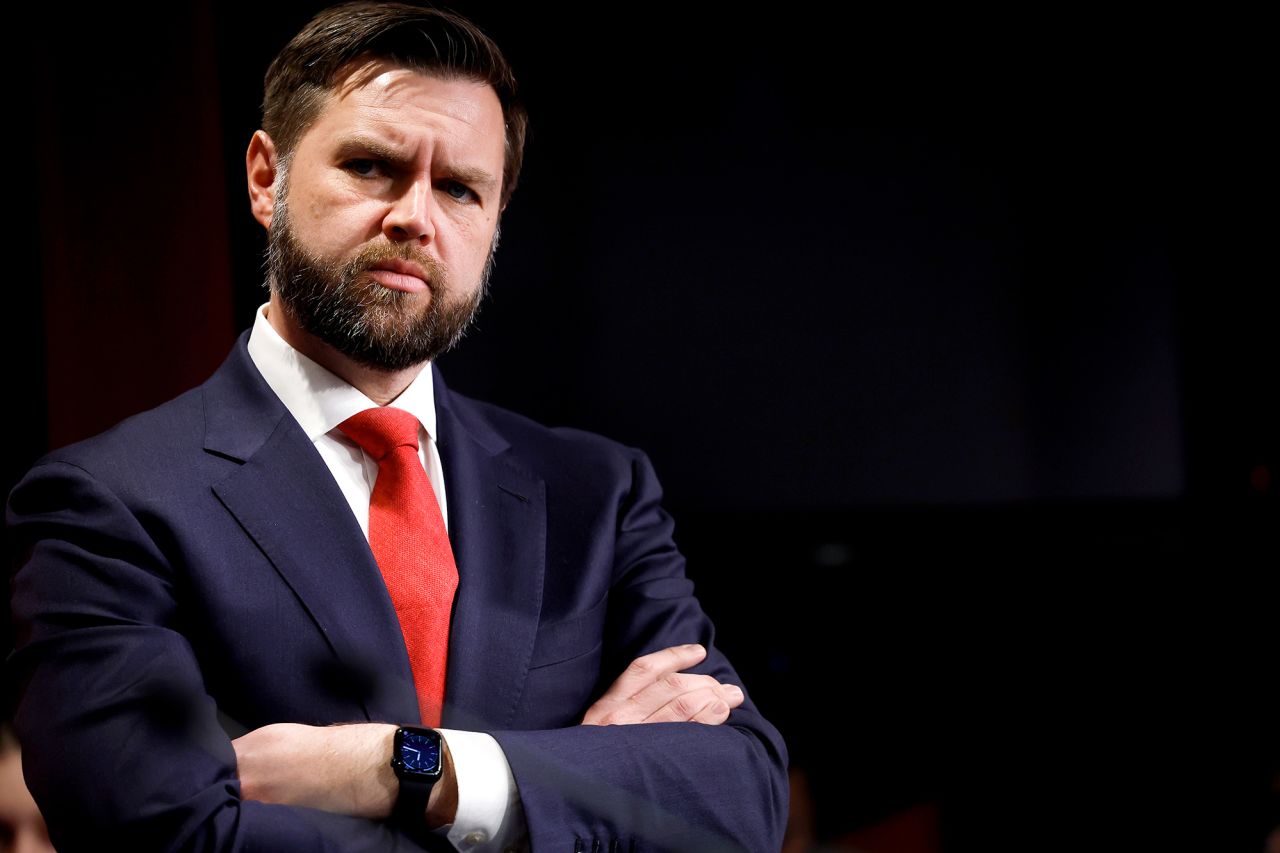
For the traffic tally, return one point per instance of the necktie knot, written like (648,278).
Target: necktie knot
(380,431)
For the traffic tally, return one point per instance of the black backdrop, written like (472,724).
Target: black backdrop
(950,338)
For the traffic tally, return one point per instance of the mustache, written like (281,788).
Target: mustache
(437,271)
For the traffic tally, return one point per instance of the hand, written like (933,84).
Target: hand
(342,769)
(653,689)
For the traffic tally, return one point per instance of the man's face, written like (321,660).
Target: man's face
(381,238)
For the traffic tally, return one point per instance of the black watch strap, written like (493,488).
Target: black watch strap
(416,759)
(411,803)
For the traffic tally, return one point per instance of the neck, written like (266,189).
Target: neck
(381,386)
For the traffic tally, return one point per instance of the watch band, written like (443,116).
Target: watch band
(416,759)
(411,803)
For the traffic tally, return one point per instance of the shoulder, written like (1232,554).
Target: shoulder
(524,431)
(139,441)
(107,485)
(170,442)
(552,452)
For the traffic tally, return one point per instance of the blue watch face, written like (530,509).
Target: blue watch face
(420,753)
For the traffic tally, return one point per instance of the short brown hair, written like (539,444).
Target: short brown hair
(430,41)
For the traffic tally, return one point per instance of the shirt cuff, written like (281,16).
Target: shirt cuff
(490,817)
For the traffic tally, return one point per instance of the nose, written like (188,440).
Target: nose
(410,218)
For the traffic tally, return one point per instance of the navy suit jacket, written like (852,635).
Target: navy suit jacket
(195,572)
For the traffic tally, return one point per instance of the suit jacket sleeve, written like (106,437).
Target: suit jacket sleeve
(654,787)
(121,741)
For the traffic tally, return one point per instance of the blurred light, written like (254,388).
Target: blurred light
(1260,478)
(831,555)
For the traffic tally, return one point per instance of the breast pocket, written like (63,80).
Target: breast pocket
(564,670)
(572,637)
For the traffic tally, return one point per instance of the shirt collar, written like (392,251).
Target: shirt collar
(318,399)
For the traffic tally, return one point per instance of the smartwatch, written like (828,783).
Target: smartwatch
(416,759)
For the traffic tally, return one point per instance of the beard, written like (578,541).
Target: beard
(348,309)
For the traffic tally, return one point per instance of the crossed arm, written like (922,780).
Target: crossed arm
(125,739)
(278,763)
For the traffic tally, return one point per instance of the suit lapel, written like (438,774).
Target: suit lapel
(497,524)
(285,499)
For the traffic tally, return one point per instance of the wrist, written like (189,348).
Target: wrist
(370,782)
(442,808)
(426,794)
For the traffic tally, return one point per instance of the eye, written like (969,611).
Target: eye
(365,168)
(459,191)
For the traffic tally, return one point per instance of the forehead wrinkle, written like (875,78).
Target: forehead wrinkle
(383,87)
(402,127)
(389,126)
(385,104)
(397,149)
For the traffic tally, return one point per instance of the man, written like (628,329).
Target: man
(234,611)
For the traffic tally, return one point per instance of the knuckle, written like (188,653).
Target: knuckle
(713,714)
(676,681)
(641,666)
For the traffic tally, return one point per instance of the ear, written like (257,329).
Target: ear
(260,168)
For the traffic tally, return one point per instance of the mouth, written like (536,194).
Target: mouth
(400,275)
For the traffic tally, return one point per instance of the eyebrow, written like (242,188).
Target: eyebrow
(357,145)
(350,146)
(474,177)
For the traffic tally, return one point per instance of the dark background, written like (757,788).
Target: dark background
(952,340)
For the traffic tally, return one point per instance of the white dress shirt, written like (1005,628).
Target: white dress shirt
(490,817)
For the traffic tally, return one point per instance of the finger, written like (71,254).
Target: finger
(648,669)
(705,702)
(634,709)
(669,689)
(713,706)
(666,689)
(676,704)
(713,715)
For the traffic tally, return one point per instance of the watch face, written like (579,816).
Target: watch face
(418,752)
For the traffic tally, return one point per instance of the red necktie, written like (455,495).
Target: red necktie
(408,539)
